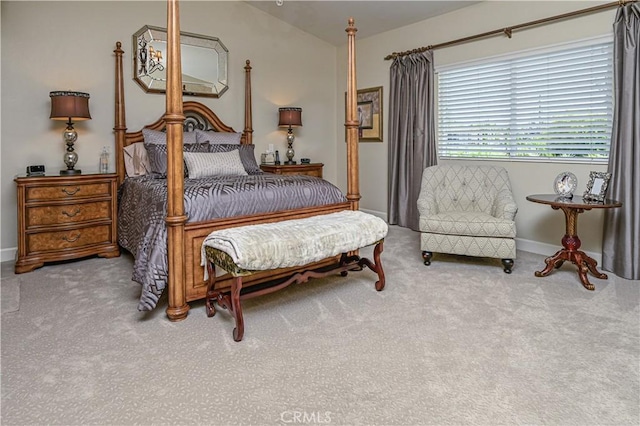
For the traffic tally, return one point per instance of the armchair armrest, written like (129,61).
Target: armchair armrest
(504,206)
(427,203)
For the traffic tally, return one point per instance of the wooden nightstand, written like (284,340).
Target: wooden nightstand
(312,169)
(65,217)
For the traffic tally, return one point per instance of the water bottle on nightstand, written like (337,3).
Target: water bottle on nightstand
(104,160)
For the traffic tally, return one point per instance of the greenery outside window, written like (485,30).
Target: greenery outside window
(555,105)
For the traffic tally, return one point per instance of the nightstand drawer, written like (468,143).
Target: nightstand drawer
(72,213)
(69,191)
(315,172)
(311,169)
(44,241)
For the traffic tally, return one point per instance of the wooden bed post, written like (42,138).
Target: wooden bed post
(248,118)
(174,120)
(120,126)
(351,122)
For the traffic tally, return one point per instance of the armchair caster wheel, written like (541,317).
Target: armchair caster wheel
(508,264)
(427,255)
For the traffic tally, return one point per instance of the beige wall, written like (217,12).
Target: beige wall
(538,226)
(68,46)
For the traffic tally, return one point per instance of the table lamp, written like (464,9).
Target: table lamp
(70,106)
(290,117)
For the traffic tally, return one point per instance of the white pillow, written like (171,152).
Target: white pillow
(218,137)
(136,160)
(202,164)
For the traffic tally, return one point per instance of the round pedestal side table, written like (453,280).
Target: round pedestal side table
(571,243)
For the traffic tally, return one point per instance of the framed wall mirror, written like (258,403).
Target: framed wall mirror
(597,186)
(204,62)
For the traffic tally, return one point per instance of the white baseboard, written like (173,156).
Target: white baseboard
(381,215)
(8,254)
(549,249)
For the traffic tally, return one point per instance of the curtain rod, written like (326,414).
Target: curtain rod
(509,30)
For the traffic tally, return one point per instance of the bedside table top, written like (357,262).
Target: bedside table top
(53,175)
(292,165)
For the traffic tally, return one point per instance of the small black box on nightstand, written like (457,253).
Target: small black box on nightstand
(35,170)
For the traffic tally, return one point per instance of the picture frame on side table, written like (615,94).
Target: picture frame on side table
(597,186)
(369,114)
(565,184)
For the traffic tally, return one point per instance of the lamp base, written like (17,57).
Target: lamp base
(70,172)
(290,162)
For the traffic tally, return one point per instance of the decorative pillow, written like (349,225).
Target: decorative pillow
(246,155)
(218,137)
(214,164)
(157,154)
(136,161)
(157,137)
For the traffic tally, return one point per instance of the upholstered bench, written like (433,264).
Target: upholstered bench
(247,250)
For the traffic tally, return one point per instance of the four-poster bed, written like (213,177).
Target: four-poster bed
(184,235)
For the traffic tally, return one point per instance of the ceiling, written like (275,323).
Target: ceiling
(328,19)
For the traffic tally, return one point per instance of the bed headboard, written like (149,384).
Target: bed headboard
(197,116)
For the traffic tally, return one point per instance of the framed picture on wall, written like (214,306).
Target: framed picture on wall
(369,114)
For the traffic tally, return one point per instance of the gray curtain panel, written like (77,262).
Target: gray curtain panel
(412,140)
(621,239)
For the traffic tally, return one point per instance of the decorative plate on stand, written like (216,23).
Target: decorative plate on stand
(565,184)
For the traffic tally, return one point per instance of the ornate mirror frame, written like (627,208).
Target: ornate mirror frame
(204,62)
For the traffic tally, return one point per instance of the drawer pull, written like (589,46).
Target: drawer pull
(71,239)
(70,192)
(72,214)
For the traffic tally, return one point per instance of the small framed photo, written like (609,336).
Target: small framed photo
(597,186)
(565,184)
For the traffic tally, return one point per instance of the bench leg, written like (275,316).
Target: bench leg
(236,308)
(376,265)
(230,302)
(212,295)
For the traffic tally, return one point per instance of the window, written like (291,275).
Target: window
(546,106)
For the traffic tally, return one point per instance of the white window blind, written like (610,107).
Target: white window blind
(546,106)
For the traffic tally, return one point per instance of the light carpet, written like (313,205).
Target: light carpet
(455,343)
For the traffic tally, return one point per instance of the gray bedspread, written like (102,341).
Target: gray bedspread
(143,205)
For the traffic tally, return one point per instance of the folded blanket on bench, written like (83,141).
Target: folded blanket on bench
(296,242)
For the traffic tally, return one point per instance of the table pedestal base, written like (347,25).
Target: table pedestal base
(578,258)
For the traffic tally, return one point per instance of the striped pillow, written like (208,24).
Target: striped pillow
(202,164)
(246,155)
(157,154)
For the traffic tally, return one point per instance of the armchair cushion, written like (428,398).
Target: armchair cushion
(473,224)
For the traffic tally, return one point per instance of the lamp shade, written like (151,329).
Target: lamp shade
(72,106)
(290,117)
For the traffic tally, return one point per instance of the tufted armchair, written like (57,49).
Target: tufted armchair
(467,210)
